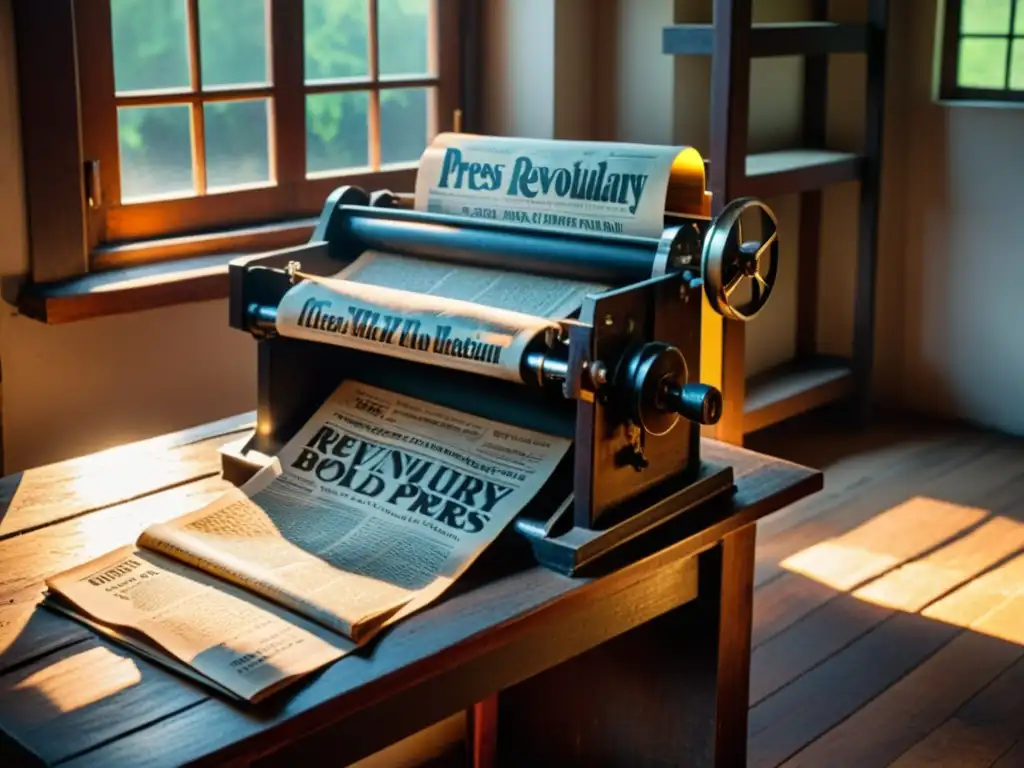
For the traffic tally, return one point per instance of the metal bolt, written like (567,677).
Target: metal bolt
(609,320)
(598,373)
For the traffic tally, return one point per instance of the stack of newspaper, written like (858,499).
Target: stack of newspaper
(380,501)
(375,507)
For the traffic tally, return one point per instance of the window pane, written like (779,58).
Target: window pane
(237,149)
(150,44)
(980,17)
(336,39)
(337,133)
(233,42)
(156,151)
(982,63)
(1017,65)
(1018,19)
(403,124)
(403,29)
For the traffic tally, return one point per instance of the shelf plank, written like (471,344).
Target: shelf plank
(793,388)
(801,38)
(790,171)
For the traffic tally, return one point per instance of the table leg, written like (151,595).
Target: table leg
(672,691)
(735,622)
(482,733)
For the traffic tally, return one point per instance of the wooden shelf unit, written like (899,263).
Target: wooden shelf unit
(794,387)
(797,170)
(732,41)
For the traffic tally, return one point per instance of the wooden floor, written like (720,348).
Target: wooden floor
(889,611)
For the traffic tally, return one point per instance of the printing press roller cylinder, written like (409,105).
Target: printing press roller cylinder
(588,257)
(650,382)
(727,258)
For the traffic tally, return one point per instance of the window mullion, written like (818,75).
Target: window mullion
(445,36)
(196,109)
(287,56)
(1009,45)
(950,62)
(373,55)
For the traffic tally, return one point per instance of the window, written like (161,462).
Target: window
(202,116)
(983,50)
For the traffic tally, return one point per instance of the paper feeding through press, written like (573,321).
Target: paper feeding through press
(541,308)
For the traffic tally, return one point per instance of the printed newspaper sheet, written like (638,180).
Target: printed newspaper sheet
(413,326)
(244,645)
(586,186)
(375,507)
(546,184)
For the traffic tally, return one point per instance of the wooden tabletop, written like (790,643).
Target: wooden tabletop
(67,696)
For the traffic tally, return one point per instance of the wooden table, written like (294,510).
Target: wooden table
(647,662)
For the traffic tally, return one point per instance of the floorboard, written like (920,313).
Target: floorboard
(981,731)
(1012,758)
(889,608)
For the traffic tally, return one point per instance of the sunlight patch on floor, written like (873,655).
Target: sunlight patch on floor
(914,585)
(992,604)
(885,541)
(948,562)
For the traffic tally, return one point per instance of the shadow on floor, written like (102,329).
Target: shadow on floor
(889,608)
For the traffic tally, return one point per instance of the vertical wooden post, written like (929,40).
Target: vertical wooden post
(730,94)
(870,193)
(815,114)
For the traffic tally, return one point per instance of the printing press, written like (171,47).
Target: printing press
(620,377)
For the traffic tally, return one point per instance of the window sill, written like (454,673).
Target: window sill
(131,289)
(263,237)
(134,277)
(978,104)
(149,274)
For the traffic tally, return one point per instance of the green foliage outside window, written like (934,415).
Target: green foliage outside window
(991,54)
(151,53)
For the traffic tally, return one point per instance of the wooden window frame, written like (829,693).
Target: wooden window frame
(69,121)
(949,53)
